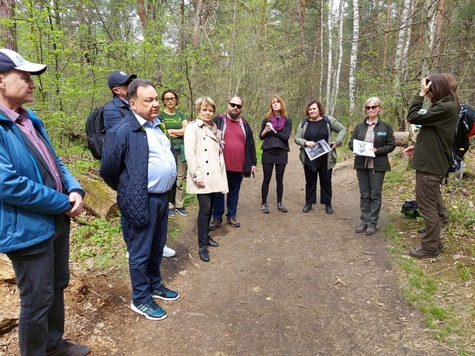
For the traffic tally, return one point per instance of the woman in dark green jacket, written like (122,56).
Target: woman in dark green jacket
(432,155)
(371,170)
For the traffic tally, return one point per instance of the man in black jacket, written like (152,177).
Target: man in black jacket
(239,156)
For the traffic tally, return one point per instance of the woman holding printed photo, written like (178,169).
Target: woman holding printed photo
(315,127)
(371,170)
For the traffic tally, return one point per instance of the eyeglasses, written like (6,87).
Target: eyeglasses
(233,105)
(169,99)
(374,107)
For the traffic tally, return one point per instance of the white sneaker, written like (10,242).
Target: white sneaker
(168,252)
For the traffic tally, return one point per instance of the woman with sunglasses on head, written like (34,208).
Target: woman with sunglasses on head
(275,133)
(206,168)
(371,170)
(175,123)
(315,127)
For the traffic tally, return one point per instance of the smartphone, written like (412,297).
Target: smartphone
(427,80)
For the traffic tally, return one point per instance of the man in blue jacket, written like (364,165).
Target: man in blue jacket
(38,195)
(138,163)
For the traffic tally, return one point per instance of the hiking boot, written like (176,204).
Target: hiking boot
(360,228)
(214,224)
(204,255)
(66,348)
(233,222)
(265,209)
(171,212)
(370,230)
(328,209)
(150,310)
(182,211)
(282,208)
(164,293)
(168,252)
(419,252)
(307,208)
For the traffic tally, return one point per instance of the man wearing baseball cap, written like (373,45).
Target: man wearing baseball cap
(38,196)
(118,108)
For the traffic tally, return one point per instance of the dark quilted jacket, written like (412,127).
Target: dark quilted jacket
(124,167)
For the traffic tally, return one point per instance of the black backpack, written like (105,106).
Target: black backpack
(95,132)
(464,130)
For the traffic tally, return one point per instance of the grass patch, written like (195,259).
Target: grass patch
(442,289)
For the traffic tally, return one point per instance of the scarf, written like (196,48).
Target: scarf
(277,122)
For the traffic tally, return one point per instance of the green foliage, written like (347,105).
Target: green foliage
(97,239)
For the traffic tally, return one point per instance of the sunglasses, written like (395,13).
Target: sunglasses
(371,107)
(235,105)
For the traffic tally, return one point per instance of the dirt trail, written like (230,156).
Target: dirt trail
(281,284)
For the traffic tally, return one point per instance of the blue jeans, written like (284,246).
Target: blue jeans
(42,274)
(232,198)
(145,246)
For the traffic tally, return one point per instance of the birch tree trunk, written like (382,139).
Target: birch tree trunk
(402,38)
(330,59)
(429,36)
(354,56)
(336,82)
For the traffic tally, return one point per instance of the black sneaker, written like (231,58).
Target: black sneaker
(66,348)
(182,211)
(150,310)
(165,293)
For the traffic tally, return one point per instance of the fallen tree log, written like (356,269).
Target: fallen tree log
(100,200)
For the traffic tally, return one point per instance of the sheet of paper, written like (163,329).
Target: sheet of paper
(362,148)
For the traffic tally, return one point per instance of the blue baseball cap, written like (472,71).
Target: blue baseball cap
(119,77)
(12,60)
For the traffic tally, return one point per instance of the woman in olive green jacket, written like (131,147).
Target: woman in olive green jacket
(315,127)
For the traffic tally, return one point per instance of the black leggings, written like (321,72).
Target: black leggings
(205,202)
(279,177)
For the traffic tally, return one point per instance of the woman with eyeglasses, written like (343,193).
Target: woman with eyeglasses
(275,133)
(314,128)
(175,123)
(206,168)
(378,135)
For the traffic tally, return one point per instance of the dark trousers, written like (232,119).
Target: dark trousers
(42,274)
(432,207)
(232,198)
(205,202)
(145,246)
(371,186)
(279,177)
(311,178)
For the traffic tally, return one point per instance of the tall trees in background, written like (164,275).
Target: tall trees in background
(7,24)
(339,51)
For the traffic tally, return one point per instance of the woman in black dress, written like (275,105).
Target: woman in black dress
(275,133)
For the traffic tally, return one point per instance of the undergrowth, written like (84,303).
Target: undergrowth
(441,288)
